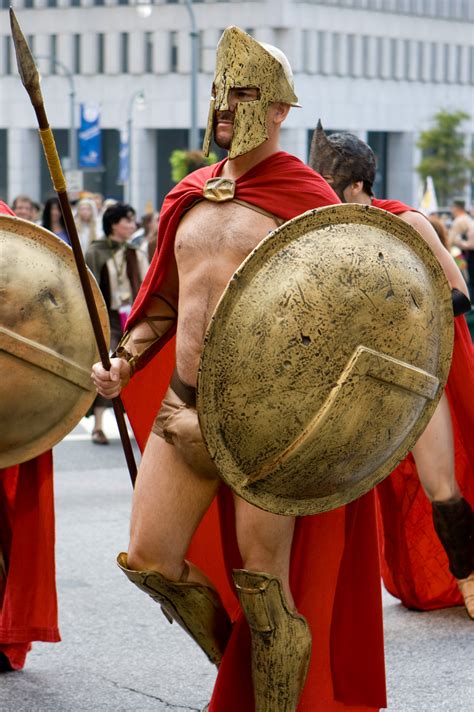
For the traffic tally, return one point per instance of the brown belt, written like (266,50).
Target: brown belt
(182,390)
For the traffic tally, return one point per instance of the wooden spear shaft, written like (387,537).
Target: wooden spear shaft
(31,81)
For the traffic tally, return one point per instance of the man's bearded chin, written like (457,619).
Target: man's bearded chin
(224,142)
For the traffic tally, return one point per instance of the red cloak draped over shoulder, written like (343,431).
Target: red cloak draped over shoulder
(28,610)
(335,575)
(414,564)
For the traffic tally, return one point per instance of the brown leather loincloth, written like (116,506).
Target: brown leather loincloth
(177,423)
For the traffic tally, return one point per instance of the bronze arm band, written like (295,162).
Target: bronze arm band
(139,344)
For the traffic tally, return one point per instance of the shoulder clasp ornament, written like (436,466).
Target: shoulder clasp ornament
(218,190)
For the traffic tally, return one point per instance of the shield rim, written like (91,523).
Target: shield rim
(28,230)
(272,243)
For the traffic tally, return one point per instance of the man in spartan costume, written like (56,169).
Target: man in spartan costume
(289,609)
(420,531)
(28,603)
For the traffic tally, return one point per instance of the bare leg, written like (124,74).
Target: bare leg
(434,456)
(452,516)
(281,638)
(169,501)
(264,541)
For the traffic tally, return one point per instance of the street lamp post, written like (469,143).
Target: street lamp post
(137,97)
(193,131)
(72,104)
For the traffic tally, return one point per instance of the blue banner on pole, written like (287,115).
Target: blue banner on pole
(90,139)
(124,158)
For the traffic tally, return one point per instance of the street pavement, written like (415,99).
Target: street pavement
(118,653)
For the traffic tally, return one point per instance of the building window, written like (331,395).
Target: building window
(321,37)
(100,53)
(336,53)
(433,55)
(459,71)
(173,51)
(75,3)
(7,54)
(365,56)
(471,65)
(350,55)
(305,50)
(31,43)
(379,57)
(149,52)
(406,59)
(76,59)
(98,2)
(53,53)
(124,52)
(52,3)
(446,63)
(421,61)
(393,58)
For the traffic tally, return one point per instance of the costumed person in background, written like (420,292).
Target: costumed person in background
(191,551)
(52,219)
(119,268)
(414,567)
(28,602)
(85,218)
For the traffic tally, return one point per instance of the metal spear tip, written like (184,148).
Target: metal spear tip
(26,64)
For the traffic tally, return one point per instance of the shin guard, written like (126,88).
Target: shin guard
(281,642)
(454,524)
(197,608)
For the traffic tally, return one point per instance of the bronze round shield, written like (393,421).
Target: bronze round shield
(325,359)
(47,344)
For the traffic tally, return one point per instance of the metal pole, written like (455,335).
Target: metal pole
(72,129)
(193,131)
(140,94)
(72,107)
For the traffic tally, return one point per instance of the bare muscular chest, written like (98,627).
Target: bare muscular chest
(213,230)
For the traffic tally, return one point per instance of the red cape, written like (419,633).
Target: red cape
(335,576)
(29,608)
(414,564)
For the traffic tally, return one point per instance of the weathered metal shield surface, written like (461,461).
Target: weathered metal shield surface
(47,345)
(325,359)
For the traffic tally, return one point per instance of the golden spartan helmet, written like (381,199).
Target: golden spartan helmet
(348,327)
(242,62)
(47,344)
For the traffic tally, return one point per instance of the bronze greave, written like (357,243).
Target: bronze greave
(197,608)
(281,642)
(453,521)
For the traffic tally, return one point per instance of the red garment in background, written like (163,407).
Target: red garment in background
(29,608)
(414,564)
(335,576)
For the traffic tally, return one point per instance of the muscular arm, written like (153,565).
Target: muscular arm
(450,268)
(138,345)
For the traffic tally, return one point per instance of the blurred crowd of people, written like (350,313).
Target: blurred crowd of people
(88,213)
(455,228)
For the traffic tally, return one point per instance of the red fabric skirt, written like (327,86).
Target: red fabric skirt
(29,608)
(335,581)
(414,564)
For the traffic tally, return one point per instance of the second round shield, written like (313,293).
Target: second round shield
(325,359)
